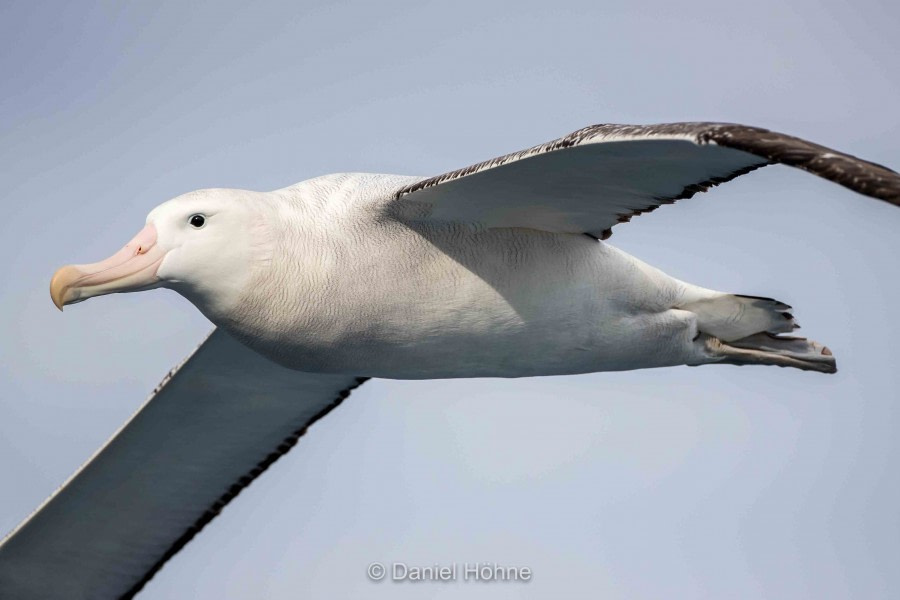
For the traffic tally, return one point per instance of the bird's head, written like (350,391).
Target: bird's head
(202,244)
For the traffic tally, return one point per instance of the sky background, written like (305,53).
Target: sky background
(671,483)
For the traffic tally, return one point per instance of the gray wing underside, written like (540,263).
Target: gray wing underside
(211,427)
(596,177)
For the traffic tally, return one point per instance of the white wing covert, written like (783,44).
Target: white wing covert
(596,177)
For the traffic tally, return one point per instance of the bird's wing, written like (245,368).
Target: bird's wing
(596,177)
(211,427)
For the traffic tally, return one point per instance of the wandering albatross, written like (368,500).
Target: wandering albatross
(498,269)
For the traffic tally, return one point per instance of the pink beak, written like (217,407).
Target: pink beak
(130,269)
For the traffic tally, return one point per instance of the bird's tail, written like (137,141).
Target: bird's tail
(731,317)
(737,329)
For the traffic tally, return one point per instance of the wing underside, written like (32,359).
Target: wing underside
(211,427)
(596,177)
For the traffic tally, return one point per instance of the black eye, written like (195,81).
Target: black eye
(197,221)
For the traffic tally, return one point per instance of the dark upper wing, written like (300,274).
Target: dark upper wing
(212,426)
(602,175)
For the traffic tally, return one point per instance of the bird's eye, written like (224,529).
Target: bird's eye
(197,221)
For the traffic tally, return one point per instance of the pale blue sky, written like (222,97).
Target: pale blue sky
(673,483)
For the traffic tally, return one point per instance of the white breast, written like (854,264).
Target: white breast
(349,292)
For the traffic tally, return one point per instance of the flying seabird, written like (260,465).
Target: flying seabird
(495,270)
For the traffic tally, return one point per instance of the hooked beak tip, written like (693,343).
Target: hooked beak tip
(61,284)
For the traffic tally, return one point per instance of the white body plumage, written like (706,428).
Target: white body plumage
(338,287)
